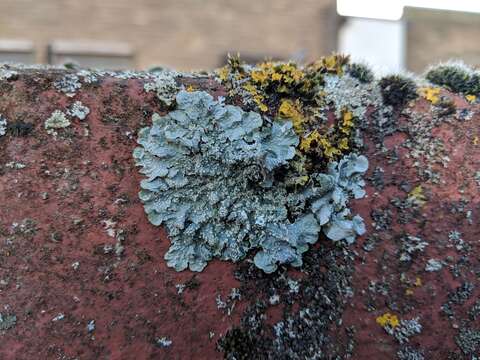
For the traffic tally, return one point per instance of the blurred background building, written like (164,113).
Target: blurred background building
(198,34)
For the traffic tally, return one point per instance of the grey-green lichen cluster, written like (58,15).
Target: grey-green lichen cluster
(56,121)
(213,179)
(78,110)
(164,85)
(3,125)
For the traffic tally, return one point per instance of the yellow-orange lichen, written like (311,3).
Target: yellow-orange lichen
(388,319)
(431,94)
(292,110)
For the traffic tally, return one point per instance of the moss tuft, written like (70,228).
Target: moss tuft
(397,90)
(360,72)
(456,78)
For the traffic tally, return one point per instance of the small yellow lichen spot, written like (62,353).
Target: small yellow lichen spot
(475,140)
(259,76)
(306,142)
(347,123)
(190,88)
(347,117)
(408,292)
(291,110)
(301,180)
(330,62)
(343,144)
(431,94)
(259,101)
(388,319)
(333,63)
(417,196)
(223,73)
(262,107)
(257,98)
(328,149)
(297,75)
(418,281)
(276,77)
(250,88)
(471,98)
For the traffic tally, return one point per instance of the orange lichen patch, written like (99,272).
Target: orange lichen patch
(280,75)
(343,144)
(347,123)
(471,98)
(388,319)
(223,73)
(292,110)
(312,138)
(329,150)
(257,97)
(259,76)
(331,64)
(431,94)
(334,141)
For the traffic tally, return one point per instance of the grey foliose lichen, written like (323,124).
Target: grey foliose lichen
(331,211)
(165,86)
(210,180)
(56,121)
(69,84)
(3,125)
(78,110)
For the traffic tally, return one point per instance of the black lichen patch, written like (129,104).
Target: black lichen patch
(311,306)
(19,128)
(243,343)
(397,90)
(456,78)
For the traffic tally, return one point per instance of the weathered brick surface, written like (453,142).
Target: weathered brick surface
(68,203)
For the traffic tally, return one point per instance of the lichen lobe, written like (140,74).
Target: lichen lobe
(211,181)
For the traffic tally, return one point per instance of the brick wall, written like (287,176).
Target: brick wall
(434,36)
(183,34)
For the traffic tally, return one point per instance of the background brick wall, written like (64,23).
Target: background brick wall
(434,36)
(184,34)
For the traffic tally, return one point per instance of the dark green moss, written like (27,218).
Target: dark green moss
(360,72)
(456,79)
(397,90)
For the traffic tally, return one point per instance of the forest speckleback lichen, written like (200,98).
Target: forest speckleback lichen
(213,179)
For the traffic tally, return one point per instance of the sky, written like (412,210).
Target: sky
(393,9)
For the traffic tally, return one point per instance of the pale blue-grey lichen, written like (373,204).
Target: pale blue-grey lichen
(56,121)
(68,84)
(210,180)
(3,125)
(345,179)
(165,86)
(78,110)
(7,321)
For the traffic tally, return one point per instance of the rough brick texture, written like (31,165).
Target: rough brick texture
(82,269)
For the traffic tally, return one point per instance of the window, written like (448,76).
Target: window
(17,51)
(91,54)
